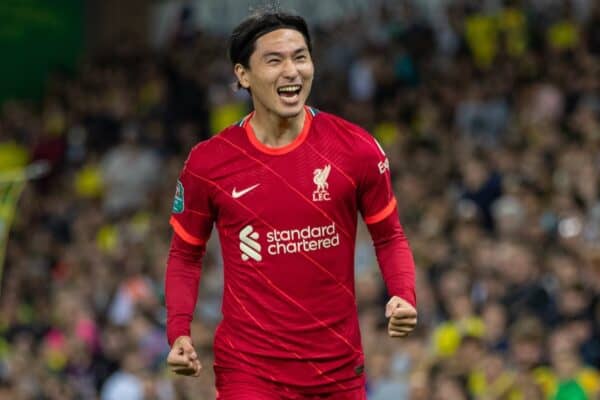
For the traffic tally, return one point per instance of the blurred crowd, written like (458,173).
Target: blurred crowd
(491,120)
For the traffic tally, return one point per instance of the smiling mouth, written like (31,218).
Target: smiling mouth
(289,91)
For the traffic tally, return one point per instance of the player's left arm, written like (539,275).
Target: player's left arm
(378,206)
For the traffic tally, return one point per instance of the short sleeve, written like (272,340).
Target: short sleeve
(375,193)
(191,214)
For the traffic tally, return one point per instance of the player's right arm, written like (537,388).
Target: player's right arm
(192,222)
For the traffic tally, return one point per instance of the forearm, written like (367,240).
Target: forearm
(395,257)
(181,286)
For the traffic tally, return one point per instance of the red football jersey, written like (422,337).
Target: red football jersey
(286,219)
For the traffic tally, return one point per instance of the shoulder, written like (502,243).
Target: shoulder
(205,155)
(362,142)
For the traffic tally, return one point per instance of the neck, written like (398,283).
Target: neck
(275,131)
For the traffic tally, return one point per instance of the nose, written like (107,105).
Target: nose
(289,69)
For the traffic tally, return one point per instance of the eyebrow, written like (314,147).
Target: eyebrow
(279,54)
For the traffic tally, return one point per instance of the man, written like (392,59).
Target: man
(284,187)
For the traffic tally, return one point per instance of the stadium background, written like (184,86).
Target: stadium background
(488,110)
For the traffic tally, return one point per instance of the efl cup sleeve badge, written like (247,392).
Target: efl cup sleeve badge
(178,201)
(320,176)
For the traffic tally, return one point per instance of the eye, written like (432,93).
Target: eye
(272,61)
(301,57)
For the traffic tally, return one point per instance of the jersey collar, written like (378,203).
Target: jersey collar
(276,151)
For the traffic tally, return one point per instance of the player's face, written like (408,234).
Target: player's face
(280,74)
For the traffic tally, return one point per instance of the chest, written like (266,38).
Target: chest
(295,189)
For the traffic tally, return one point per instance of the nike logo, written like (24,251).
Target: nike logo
(236,195)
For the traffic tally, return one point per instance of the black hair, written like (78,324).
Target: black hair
(244,36)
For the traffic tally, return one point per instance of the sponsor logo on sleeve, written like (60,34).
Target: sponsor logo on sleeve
(178,201)
(383,166)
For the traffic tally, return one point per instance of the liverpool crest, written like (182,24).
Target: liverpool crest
(320,176)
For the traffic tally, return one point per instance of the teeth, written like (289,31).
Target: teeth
(289,88)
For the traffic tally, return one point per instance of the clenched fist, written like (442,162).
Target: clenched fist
(183,359)
(402,315)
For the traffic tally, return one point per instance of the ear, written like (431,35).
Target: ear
(242,75)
